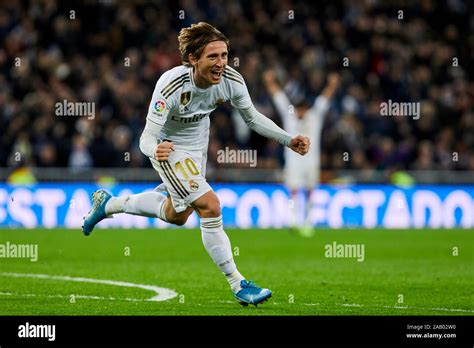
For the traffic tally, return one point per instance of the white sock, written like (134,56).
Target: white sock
(217,244)
(150,204)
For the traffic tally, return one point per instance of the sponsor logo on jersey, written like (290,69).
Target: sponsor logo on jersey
(159,107)
(194,118)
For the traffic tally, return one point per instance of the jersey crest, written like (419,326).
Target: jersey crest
(219,102)
(185,98)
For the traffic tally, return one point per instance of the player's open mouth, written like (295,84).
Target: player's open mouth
(216,74)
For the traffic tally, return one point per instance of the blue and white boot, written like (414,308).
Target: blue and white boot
(97,213)
(250,293)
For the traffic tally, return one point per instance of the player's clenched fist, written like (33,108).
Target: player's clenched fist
(300,144)
(162,151)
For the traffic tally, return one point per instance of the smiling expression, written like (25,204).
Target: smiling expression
(209,67)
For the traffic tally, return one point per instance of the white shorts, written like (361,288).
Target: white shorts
(184,174)
(301,174)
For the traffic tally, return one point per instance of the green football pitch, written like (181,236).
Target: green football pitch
(132,272)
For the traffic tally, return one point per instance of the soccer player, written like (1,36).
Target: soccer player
(307,120)
(176,137)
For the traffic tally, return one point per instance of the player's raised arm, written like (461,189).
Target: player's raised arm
(279,97)
(332,86)
(270,82)
(322,102)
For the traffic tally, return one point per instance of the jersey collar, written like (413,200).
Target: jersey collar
(191,76)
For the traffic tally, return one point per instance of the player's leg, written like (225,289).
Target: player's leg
(218,246)
(215,239)
(306,230)
(291,182)
(313,175)
(184,176)
(174,217)
(308,194)
(297,176)
(150,204)
(172,208)
(293,208)
(308,170)
(212,232)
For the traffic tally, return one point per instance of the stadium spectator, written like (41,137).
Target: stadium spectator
(112,53)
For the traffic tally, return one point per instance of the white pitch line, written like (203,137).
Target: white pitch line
(394,307)
(351,305)
(75,296)
(434,309)
(162,294)
(371,306)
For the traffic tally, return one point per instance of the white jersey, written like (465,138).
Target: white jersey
(310,125)
(180,110)
(302,171)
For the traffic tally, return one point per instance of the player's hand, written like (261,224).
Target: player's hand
(268,77)
(163,150)
(300,144)
(334,80)
(270,81)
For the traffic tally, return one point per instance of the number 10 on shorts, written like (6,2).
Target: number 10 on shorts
(190,168)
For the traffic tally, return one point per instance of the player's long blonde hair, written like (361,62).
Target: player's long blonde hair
(193,39)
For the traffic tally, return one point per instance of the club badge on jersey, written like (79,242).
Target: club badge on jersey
(184,101)
(219,102)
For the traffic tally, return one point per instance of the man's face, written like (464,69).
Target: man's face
(209,67)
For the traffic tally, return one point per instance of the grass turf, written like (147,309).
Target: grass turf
(417,264)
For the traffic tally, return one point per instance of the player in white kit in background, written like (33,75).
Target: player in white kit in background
(176,137)
(307,120)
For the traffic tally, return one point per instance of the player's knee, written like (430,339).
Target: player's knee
(208,205)
(180,221)
(213,208)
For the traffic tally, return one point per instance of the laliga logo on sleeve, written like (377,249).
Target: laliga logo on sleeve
(160,107)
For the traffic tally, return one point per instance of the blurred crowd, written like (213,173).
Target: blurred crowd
(112,52)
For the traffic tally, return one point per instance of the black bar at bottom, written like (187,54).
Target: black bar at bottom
(393,330)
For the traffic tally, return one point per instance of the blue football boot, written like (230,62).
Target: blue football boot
(97,213)
(250,293)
